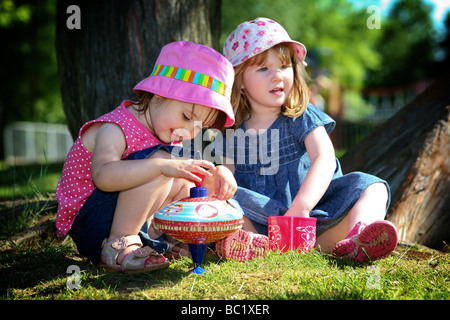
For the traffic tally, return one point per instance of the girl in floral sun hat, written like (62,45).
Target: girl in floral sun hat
(271,102)
(253,37)
(120,171)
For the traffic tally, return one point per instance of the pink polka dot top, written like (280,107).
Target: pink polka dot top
(75,185)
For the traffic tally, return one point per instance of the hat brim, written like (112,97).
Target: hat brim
(299,48)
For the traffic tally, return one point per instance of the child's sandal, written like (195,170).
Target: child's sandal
(372,242)
(242,245)
(176,249)
(134,261)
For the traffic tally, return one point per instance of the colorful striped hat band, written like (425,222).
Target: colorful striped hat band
(194,77)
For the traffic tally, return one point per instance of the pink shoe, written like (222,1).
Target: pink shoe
(242,245)
(372,242)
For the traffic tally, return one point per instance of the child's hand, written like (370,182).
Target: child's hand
(188,169)
(221,184)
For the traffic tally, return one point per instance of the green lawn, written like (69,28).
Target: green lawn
(30,181)
(44,267)
(42,271)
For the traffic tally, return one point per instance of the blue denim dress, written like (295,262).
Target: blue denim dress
(270,168)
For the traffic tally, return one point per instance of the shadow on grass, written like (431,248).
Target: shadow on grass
(28,268)
(42,271)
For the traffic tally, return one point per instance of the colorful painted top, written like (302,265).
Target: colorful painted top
(201,210)
(76,185)
(199,220)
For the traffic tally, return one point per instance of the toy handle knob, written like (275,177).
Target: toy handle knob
(201,176)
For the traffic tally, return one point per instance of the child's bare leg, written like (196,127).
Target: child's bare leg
(370,207)
(248,225)
(326,241)
(132,208)
(180,189)
(136,205)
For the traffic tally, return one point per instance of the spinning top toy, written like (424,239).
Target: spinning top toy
(198,220)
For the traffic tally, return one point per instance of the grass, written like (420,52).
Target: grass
(42,269)
(27,187)
(28,181)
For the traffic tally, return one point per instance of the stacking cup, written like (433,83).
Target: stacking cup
(292,233)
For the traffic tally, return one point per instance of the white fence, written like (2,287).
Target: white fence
(32,142)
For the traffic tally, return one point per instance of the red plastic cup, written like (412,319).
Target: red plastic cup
(292,233)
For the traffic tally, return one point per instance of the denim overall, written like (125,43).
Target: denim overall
(270,168)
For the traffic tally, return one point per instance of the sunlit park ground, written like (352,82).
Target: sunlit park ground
(347,57)
(45,267)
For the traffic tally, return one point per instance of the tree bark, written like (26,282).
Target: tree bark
(412,153)
(117,45)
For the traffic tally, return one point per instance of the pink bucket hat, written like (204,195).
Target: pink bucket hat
(253,37)
(192,73)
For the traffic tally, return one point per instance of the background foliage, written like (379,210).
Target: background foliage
(405,48)
(340,46)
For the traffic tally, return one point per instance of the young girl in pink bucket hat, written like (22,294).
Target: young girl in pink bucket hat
(120,170)
(271,99)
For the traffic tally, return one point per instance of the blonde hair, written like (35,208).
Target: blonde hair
(298,98)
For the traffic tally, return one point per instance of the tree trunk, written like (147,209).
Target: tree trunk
(117,45)
(412,152)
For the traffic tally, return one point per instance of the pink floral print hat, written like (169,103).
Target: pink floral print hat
(253,37)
